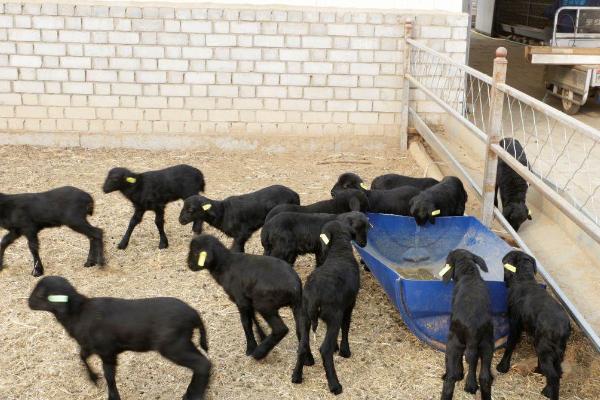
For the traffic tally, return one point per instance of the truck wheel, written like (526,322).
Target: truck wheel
(569,106)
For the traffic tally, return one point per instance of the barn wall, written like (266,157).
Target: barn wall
(173,76)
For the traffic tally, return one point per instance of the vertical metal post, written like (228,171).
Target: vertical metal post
(494,133)
(408,27)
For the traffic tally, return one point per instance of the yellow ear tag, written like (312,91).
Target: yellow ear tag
(435,212)
(510,267)
(444,270)
(362,185)
(130,179)
(58,298)
(206,206)
(202,258)
(324,238)
(529,212)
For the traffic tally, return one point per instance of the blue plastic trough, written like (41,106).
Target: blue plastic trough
(406,259)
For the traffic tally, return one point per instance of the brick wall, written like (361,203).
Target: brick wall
(113,70)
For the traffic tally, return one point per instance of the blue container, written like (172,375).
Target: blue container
(406,259)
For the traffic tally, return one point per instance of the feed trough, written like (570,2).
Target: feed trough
(406,259)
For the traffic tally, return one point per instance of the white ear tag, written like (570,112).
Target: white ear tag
(510,268)
(202,258)
(324,238)
(435,212)
(362,185)
(206,206)
(445,270)
(58,298)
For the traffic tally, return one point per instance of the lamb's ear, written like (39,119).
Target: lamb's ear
(76,303)
(481,262)
(533,262)
(354,204)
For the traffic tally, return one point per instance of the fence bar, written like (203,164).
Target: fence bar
(408,28)
(468,124)
(439,148)
(495,131)
(574,214)
(562,297)
(471,71)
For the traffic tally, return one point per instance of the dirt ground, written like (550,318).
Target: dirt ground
(39,361)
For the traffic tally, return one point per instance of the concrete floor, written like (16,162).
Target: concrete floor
(522,75)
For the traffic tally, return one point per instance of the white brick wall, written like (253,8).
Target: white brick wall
(211,70)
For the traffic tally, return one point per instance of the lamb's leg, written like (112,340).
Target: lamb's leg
(7,240)
(94,234)
(34,247)
(136,218)
(344,344)
(472,358)
(109,365)
(304,356)
(278,332)
(246,315)
(454,366)
(184,353)
(486,350)
(85,354)
(327,349)
(514,336)
(549,365)
(259,330)
(159,220)
(239,242)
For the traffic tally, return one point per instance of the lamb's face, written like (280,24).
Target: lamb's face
(117,179)
(347,181)
(423,211)
(516,214)
(202,252)
(52,293)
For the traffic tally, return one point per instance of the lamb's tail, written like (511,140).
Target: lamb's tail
(203,337)
(312,311)
(90,207)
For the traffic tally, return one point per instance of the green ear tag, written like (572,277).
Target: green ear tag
(202,258)
(206,206)
(435,212)
(131,179)
(58,298)
(510,267)
(444,270)
(324,238)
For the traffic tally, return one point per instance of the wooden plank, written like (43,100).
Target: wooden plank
(562,55)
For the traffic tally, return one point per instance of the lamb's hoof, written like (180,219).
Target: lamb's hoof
(37,272)
(297,378)
(471,387)
(250,350)
(502,367)
(89,264)
(93,377)
(101,262)
(122,246)
(259,353)
(309,360)
(547,392)
(336,389)
(163,245)
(346,353)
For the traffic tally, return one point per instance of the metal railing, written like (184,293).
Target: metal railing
(561,151)
(584,24)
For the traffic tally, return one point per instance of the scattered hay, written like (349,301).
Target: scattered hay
(41,362)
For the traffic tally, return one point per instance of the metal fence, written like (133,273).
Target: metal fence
(563,154)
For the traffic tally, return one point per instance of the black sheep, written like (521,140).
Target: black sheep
(28,213)
(345,201)
(108,326)
(513,188)
(290,234)
(152,190)
(255,284)
(329,294)
(447,198)
(471,328)
(350,180)
(532,309)
(393,201)
(236,216)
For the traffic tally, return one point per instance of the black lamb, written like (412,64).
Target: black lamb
(329,294)
(108,326)
(290,234)
(513,188)
(532,309)
(351,180)
(152,190)
(447,198)
(236,216)
(255,284)
(471,328)
(28,213)
(346,201)
(393,201)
